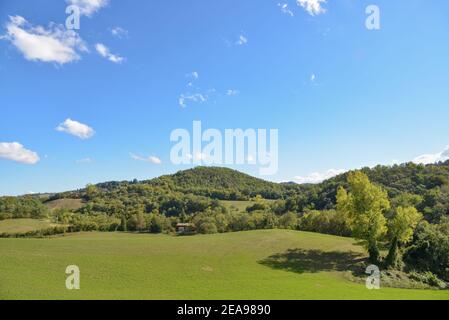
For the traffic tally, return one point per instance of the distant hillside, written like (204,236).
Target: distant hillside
(425,187)
(219,183)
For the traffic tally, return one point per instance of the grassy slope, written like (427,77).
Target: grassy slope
(70,204)
(239,205)
(23,225)
(223,266)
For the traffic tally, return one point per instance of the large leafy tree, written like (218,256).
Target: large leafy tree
(400,229)
(365,205)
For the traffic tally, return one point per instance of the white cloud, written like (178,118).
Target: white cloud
(16,152)
(232,92)
(193,75)
(151,159)
(196,97)
(317,177)
(119,32)
(76,129)
(433,158)
(52,44)
(395,162)
(242,40)
(105,53)
(285,9)
(18,20)
(88,7)
(313,7)
(198,156)
(85,160)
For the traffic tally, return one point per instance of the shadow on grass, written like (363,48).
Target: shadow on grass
(312,261)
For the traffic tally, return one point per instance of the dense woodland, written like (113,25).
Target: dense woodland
(402,210)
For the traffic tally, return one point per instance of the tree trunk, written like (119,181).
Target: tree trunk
(374,253)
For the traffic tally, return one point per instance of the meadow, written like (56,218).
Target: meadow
(70,204)
(24,225)
(265,264)
(239,206)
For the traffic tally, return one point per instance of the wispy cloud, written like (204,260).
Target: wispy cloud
(88,7)
(36,43)
(200,156)
(192,96)
(14,151)
(197,94)
(433,158)
(242,40)
(313,7)
(232,92)
(317,177)
(285,9)
(312,78)
(193,75)
(76,129)
(196,97)
(119,32)
(105,53)
(150,159)
(85,160)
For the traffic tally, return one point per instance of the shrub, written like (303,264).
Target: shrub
(22,207)
(207,228)
(159,224)
(260,206)
(37,233)
(288,221)
(428,278)
(137,222)
(239,222)
(328,222)
(222,222)
(429,251)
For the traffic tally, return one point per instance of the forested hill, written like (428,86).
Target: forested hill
(191,191)
(423,186)
(228,184)
(219,183)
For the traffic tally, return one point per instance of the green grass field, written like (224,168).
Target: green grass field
(237,205)
(23,225)
(70,204)
(271,264)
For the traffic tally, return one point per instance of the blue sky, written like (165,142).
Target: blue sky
(341,96)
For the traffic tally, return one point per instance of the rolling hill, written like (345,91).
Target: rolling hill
(219,183)
(425,187)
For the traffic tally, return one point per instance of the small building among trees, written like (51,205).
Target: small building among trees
(185,228)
